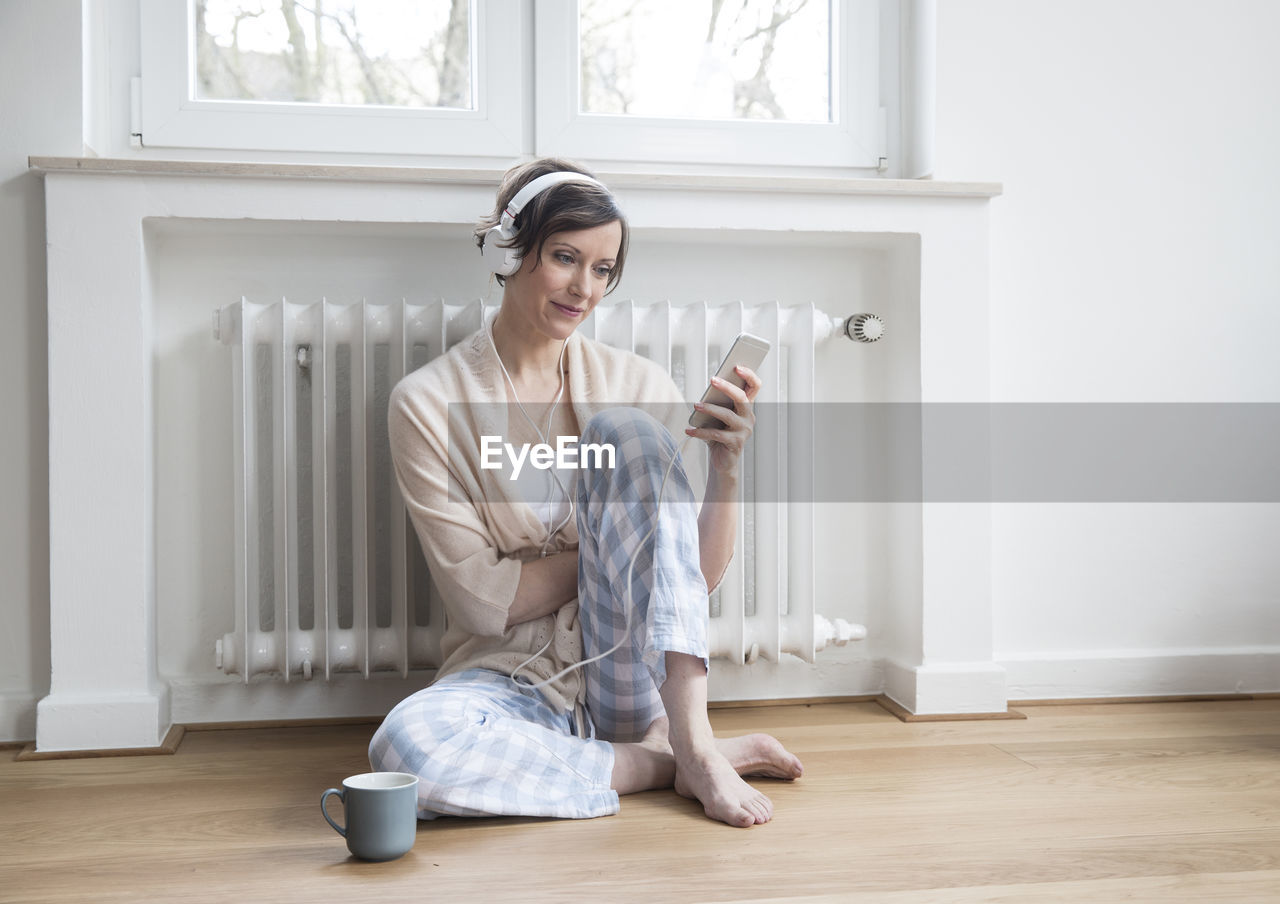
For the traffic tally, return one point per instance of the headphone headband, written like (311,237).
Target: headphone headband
(496,248)
(537,186)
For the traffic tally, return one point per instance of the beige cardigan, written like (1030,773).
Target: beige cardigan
(474,528)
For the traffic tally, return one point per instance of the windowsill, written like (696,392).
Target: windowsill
(789,184)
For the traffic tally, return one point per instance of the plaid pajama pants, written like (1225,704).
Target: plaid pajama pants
(483,744)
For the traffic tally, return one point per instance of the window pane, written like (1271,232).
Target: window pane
(400,53)
(707,59)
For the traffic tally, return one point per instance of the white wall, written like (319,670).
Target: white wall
(40,114)
(1132,260)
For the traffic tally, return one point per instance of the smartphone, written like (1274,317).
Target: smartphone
(748,351)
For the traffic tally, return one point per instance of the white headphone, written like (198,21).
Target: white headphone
(496,249)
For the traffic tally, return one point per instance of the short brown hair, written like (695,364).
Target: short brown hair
(565,207)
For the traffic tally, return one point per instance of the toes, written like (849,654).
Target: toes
(761,809)
(750,811)
(724,795)
(784,763)
(761,755)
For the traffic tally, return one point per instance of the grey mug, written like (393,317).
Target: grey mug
(382,813)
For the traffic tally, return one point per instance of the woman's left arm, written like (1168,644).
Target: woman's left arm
(718,520)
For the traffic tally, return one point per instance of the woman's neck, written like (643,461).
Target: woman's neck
(528,356)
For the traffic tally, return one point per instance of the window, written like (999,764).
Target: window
(752,82)
(425,77)
(751,60)
(293,53)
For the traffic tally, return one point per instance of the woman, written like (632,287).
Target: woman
(556,695)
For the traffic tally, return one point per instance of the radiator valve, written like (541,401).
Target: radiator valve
(864,327)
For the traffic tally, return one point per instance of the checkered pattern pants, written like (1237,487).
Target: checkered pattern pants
(483,744)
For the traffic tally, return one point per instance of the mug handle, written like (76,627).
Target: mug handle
(341,830)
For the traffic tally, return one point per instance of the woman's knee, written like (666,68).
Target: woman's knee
(626,427)
(632,468)
(413,733)
(628,441)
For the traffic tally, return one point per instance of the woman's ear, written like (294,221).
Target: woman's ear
(527,263)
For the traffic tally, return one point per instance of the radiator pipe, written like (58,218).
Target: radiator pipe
(839,632)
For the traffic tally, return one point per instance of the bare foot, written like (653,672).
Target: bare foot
(753,754)
(702,771)
(706,776)
(760,754)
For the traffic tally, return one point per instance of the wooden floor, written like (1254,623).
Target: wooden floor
(1164,802)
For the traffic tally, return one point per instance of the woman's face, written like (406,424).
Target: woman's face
(555,296)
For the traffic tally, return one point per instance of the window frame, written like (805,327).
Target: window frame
(171,117)
(883,127)
(855,139)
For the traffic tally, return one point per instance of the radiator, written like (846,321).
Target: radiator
(329,575)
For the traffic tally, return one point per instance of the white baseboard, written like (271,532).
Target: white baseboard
(948,688)
(77,721)
(839,674)
(1138,673)
(17,717)
(936,688)
(272,700)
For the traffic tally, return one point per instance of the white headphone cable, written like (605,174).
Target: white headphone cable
(551,532)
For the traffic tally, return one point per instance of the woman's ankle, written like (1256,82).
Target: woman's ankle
(641,766)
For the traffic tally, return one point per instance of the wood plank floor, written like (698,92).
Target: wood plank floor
(1164,802)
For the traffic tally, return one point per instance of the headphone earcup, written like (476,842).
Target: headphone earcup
(500,259)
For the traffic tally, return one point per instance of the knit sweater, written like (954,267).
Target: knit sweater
(475,529)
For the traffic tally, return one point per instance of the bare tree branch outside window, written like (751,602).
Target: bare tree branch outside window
(402,53)
(716,59)
(705,59)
